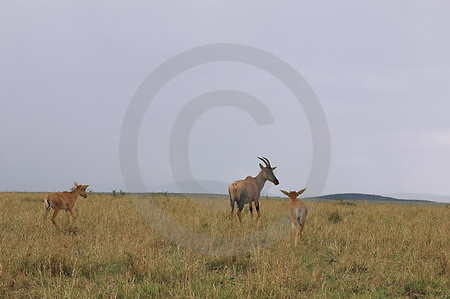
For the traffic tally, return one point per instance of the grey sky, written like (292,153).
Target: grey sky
(381,69)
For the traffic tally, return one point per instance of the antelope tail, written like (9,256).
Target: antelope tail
(299,216)
(47,204)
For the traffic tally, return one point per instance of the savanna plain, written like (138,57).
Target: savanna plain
(121,247)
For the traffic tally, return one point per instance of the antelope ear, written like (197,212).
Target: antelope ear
(86,186)
(301,191)
(75,184)
(273,168)
(284,192)
(260,166)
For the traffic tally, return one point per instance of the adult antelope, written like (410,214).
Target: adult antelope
(298,213)
(248,190)
(64,201)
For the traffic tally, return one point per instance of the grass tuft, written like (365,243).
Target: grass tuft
(334,217)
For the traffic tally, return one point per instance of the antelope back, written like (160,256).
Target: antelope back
(298,212)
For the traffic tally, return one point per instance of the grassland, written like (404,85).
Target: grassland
(114,250)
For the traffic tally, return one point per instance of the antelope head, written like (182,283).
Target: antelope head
(293,194)
(82,189)
(267,171)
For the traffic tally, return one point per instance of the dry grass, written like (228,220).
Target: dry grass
(362,250)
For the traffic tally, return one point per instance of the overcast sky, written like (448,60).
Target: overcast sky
(380,69)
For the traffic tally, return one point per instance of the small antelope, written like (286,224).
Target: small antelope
(64,201)
(298,213)
(248,190)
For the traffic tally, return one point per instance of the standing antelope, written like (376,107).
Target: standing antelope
(248,190)
(64,201)
(298,213)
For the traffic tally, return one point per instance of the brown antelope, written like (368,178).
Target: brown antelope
(248,190)
(64,201)
(298,213)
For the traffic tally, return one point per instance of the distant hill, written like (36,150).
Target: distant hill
(366,197)
(210,187)
(422,196)
(341,196)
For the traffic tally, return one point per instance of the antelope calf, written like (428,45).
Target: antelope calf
(298,213)
(248,190)
(63,201)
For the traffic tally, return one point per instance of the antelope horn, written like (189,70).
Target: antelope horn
(268,162)
(265,161)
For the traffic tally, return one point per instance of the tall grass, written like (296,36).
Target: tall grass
(373,250)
